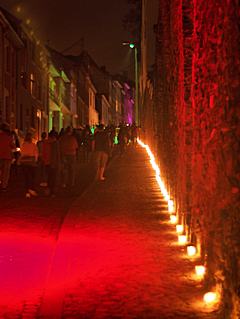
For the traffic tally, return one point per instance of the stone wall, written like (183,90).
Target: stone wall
(197,113)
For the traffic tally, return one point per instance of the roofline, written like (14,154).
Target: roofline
(16,38)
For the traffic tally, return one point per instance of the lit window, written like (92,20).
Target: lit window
(31,83)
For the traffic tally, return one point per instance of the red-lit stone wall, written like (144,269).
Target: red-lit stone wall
(197,98)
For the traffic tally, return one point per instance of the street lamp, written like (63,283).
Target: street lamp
(133,46)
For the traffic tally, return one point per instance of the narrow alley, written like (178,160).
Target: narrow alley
(119,159)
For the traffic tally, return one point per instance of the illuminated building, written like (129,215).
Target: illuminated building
(10,42)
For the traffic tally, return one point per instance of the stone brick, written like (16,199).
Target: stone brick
(197,105)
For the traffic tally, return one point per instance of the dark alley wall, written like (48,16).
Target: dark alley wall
(197,111)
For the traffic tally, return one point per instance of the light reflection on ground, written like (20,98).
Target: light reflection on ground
(24,260)
(116,257)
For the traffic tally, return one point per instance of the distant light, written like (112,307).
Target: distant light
(200,270)
(191,250)
(210,297)
(38,42)
(171,209)
(170,202)
(170,206)
(182,239)
(28,21)
(18,9)
(179,229)
(132,45)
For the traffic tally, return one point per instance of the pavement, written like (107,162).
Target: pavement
(112,255)
(28,235)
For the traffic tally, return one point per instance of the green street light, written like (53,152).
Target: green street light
(133,46)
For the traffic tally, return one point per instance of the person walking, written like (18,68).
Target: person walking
(6,155)
(68,150)
(87,143)
(28,160)
(101,145)
(51,161)
(41,167)
(134,134)
(122,138)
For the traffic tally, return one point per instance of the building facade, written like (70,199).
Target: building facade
(32,86)
(10,43)
(117,102)
(63,111)
(41,89)
(128,110)
(104,109)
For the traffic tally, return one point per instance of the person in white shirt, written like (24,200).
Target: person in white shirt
(28,160)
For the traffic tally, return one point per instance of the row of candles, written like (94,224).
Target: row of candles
(210,297)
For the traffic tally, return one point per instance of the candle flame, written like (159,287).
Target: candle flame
(179,229)
(191,251)
(173,219)
(182,239)
(200,270)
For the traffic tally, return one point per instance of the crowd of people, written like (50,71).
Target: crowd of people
(54,160)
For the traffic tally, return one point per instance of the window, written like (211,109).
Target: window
(91,99)
(117,105)
(32,84)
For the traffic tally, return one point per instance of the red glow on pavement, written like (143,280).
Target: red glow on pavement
(24,261)
(111,259)
(104,262)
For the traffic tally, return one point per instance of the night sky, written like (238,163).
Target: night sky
(63,23)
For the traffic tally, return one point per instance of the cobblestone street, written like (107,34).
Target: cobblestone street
(28,236)
(114,256)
